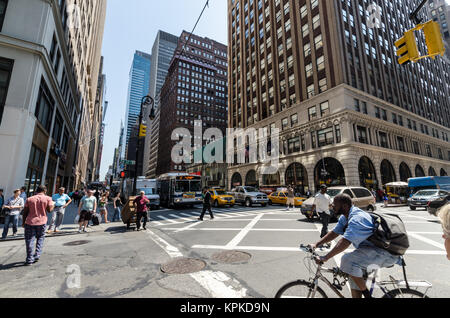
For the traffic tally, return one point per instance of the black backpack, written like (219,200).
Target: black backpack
(390,234)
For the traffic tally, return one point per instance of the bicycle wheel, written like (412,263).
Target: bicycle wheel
(300,289)
(404,293)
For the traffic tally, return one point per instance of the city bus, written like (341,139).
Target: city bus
(428,183)
(179,189)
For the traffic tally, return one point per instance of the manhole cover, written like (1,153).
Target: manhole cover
(183,266)
(76,243)
(230,257)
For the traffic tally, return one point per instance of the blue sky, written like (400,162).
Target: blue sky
(132,25)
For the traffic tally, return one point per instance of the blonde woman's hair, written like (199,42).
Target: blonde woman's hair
(444,215)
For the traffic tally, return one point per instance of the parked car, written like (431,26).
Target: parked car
(220,198)
(435,205)
(249,196)
(362,198)
(422,197)
(281,198)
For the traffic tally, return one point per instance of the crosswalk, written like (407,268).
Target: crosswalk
(166,217)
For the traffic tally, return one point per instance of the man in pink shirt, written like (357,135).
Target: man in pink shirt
(35,220)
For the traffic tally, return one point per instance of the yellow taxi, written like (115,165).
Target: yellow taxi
(220,197)
(280,197)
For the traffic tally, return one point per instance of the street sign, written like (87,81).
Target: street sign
(128,162)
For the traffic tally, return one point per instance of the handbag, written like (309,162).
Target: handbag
(5,212)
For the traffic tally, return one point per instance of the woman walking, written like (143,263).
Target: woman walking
(103,206)
(117,207)
(14,206)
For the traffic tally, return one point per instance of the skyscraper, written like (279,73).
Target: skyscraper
(48,90)
(138,87)
(327,76)
(195,89)
(162,53)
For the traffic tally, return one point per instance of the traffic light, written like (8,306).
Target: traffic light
(142,131)
(123,175)
(433,39)
(407,48)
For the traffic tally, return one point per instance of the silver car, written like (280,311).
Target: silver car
(248,196)
(422,197)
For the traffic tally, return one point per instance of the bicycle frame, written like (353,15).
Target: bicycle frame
(319,276)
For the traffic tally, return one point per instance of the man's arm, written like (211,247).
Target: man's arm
(340,247)
(326,239)
(68,202)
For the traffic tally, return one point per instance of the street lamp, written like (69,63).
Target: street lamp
(146,101)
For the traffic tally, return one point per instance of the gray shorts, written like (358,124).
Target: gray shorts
(358,262)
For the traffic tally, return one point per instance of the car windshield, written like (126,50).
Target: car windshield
(220,192)
(426,193)
(333,192)
(250,189)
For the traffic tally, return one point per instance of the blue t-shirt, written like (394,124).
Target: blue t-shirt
(60,200)
(1,202)
(360,227)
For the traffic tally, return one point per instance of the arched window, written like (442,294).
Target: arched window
(329,171)
(236,180)
(432,172)
(250,179)
(405,172)
(443,173)
(367,174)
(297,175)
(419,172)
(387,172)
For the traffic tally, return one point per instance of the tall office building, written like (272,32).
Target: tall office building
(328,78)
(195,89)
(162,53)
(138,87)
(49,61)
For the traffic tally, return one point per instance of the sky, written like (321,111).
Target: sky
(132,25)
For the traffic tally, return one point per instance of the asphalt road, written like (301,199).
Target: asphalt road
(116,263)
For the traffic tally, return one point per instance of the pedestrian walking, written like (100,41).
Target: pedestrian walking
(290,203)
(86,209)
(35,220)
(380,195)
(385,199)
(322,205)
(62,201)
(117,207)
(23,194)
(206,204)
(2,199)
(13,206)
(444,215)
(140,205)
(308,194)
(103,203)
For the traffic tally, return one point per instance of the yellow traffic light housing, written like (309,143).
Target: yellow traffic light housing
(142,131)
(407,45)
(433,39)
(407,48)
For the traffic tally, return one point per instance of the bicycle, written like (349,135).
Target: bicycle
(311,289)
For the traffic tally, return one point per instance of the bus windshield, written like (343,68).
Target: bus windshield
(196,186)
(182,186)
(148,191)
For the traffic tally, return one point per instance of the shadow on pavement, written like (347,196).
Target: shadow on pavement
(117,229)
(12,265)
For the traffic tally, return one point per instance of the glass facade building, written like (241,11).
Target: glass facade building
(138,87)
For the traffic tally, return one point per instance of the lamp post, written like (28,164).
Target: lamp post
(146,101)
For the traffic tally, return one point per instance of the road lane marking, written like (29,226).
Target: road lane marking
(218,284)
(240,236)
(169,220)
(236,229)
(427,240)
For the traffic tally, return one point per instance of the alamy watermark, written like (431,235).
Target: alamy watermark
(73,16)
(242,146)
(74,278)
(374,14)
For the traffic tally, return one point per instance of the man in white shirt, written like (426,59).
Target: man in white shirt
(322,205)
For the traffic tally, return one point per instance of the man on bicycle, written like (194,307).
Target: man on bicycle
(356,226)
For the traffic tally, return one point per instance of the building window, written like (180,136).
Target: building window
(35,170)
(377,112)
(6,67)
(312,113)
(284,124)
(337,129)
(294,145)
(294,119)
(3,6)
(362,135)
(384,140)
(357,106)
(313,140)
(429,153)
(401,144)
(324,109)
(416,148)
(325,137)
(44,107)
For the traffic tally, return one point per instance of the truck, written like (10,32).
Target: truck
(150,188)
(249,196)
